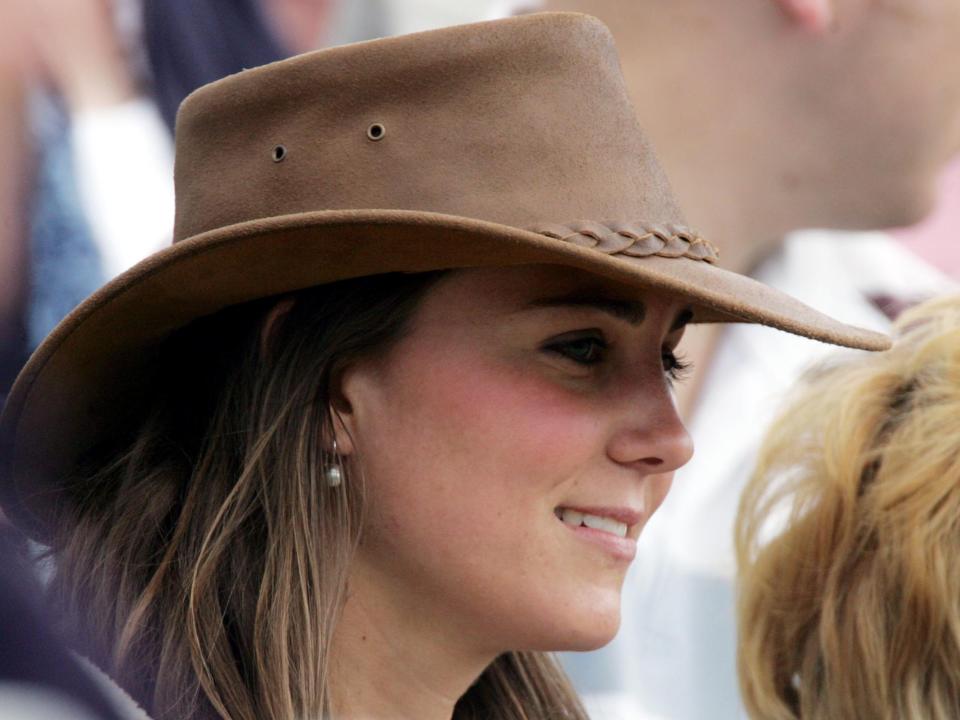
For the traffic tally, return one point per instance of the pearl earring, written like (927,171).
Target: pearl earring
(333,473)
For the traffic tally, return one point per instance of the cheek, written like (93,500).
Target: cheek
(476,429)
(465,461)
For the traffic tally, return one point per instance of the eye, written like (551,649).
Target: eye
(583,349)
(676,367)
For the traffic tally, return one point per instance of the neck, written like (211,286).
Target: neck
(398,660)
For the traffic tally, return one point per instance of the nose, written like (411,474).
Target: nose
(650,435)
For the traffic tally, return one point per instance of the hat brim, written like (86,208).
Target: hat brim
(90,366)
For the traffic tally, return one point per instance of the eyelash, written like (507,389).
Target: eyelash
(675,366)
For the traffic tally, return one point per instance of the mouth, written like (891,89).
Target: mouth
(614,529)
(576,518)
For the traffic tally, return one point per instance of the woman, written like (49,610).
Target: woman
(848,538)
(322,457)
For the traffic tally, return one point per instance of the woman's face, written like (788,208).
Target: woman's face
(522,403)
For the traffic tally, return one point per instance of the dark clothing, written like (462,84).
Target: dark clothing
(30,653)
(193,42)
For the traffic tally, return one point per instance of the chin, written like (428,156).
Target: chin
(895,210)
(591,629)
(920,209)
(595,638)
(560,616)
(911,205)
(895,200)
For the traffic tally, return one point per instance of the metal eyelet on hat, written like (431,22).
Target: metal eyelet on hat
(376,132)
(279,153)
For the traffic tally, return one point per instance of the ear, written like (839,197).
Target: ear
(815,16)
(272,321)
(354,392)
(343,432)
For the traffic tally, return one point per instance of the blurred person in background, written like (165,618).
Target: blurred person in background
(50,261)
(14,182)
(848,538)
(46,266)
(770,116)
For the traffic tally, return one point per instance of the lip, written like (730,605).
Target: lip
(620,548)
(626,515)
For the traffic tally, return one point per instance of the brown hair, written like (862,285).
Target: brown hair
(203,559)
(848,538)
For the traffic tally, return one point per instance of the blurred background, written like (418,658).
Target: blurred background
(89,91)
(89,95)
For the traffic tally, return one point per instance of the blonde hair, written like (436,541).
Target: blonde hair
(852,609)
(203,559)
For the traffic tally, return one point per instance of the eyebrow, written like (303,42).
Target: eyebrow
(631,311)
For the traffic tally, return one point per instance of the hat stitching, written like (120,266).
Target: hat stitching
(633,239)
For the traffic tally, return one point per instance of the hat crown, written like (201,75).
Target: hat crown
(519,121)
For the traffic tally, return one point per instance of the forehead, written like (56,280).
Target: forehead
(499,291)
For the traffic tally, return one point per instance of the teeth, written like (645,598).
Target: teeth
(576,519)
(606,524)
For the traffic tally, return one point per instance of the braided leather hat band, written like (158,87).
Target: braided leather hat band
(634,239)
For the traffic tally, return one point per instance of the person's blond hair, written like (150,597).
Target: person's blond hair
(202,559)
(848,538)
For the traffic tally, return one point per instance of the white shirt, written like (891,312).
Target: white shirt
(123,158)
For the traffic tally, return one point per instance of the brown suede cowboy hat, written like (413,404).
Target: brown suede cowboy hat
(501,143)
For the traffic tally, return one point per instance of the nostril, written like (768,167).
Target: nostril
(652,443)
